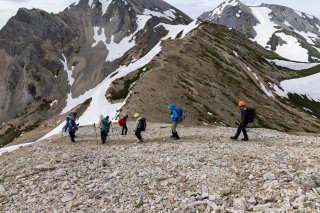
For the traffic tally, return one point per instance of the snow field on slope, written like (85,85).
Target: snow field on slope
(294,65)
(13,148)
(99,104)
(265,28)
(308,86)
(68,71)
(292,50)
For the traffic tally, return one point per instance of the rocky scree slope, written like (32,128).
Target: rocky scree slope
(275,27)
(207,73)
(203,172)
(49,58)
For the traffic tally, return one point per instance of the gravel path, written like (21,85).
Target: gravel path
(203,172)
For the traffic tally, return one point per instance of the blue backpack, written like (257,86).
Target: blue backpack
(180,114)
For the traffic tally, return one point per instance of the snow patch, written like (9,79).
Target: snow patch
(53,103)
(117,50)
(306,109)
(265,28)
(90,3)
(265,90)
(236,54)
(220,9)
(174,30)
(105,5)
(166,14)
(69,72)
(279,91)
(308,86)
(99,37)
(209,113)
(308,36)
(13,148)
(294,65)
(292,50)
(287,23)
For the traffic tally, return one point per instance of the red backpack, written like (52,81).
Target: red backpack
(121,121)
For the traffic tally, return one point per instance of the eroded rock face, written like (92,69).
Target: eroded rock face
(91,41)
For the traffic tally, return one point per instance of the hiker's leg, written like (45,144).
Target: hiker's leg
(126,129)
(174,129)
(122,130)
(103,137)
(138,134)
(72,134)
(238,132)
(245,134)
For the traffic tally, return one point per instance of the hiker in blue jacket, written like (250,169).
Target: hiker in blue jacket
(68,119)
(175,121)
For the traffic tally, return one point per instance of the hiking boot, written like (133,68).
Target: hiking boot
(245,139)
(233,138)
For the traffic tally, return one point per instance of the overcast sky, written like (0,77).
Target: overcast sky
(193,8)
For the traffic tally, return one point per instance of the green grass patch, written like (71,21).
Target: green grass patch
(9,135)
(302,101)
(123,93)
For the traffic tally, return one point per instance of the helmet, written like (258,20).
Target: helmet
(242,104)
(137,115)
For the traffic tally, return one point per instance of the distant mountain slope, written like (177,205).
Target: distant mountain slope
(207,73)
(51,63)
(292,34)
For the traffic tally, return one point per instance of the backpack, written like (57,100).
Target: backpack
(251,114)
(121,121)
(143,124)
(180,114)
(72,127)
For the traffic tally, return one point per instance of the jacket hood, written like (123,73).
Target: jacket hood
(172,106)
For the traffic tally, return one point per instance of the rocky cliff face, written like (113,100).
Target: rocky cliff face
(275,27)
(47,57)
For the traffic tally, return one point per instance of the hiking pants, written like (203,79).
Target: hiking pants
(174,127)
(124,129)
(104,135)
(72,135)
(138,134)
(242,127)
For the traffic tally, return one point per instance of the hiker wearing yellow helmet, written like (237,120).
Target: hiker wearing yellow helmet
(243,123)
(140,126)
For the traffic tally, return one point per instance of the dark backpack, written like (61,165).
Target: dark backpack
(73,126)
(143,124)
(180,114)
(251,116)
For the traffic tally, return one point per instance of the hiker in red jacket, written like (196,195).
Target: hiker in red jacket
(123,122)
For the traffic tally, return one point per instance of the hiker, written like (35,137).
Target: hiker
(243,123)
(104,129)
(176,118)
(73,127)
(123,122)
(68,118)
(139,126)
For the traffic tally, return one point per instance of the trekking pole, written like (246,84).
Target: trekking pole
(95,130)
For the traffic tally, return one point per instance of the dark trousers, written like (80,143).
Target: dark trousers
(104,135)
(124,129)
(138,134)
(242,127)
(72,135)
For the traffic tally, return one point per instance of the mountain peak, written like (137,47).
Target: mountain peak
(274,27)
